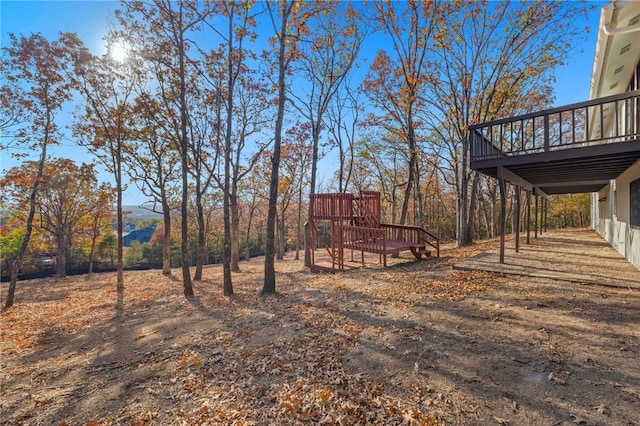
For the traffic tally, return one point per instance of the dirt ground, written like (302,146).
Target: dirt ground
(414,343)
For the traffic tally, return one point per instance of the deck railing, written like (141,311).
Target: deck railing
(331,206)
(360,236)
(596,122)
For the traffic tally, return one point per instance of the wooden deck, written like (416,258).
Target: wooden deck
(561,150)
(387,247)
(390,246)
(356,258)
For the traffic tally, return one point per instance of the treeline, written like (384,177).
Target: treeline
(87,222)
(221,112)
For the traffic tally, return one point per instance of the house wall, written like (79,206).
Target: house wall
(611,212)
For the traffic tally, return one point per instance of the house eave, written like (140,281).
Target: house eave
(617,48)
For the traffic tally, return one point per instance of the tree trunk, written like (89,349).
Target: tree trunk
(184,240)
(16,265)
(315,136)
(299,221)
(120,219)
(92,254)
(465,205)
(461,204)
(248,238)
(420,213)
(341,186)
(281,238)
(184,147)
(394,203)
(312,189)
(269,286)
(166,238)
(410,184)
(509,206)
(308,241)
(494,211)
(61,258)
(486,215)
(235,233)
(226,190)
(472,207)
(202,240)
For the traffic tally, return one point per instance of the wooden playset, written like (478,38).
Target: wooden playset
(343,222)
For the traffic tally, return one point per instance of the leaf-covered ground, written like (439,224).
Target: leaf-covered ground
(415,343)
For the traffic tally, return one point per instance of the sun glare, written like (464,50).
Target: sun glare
(118,52)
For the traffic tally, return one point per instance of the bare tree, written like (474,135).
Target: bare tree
(394,83)
(492,60)
(171,23)
(153,165)
(36,87)
(107,86)
(343,118)
(283,18)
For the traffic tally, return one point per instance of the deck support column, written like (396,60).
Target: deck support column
(503,215)
(535,218)
(546,211)
(517,221)
(542,201)
(528,217)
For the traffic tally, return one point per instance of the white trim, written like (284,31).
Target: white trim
(624,30)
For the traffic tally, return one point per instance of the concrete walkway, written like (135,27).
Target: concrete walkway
(580,256)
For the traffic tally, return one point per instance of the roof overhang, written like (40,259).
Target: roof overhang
(617,48)
(617,53)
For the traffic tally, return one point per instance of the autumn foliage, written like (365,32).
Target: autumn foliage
(230,115)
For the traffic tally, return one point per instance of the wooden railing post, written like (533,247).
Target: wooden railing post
(546,133)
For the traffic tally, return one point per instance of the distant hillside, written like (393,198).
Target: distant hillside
(139,235)
(138,213)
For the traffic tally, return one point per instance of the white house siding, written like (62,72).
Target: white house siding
(611,217)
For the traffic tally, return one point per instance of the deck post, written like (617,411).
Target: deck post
(546,132)
(546,211)
(535,219)
(503,215)
(528,217)
(542,201)
(333,245)
(517,221)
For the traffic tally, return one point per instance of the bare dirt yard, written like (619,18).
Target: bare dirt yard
(415,343)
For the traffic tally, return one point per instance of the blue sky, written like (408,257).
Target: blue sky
(89,19)
(574,79)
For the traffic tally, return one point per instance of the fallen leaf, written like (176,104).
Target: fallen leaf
(501,421)
(578,420)
(553,378)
